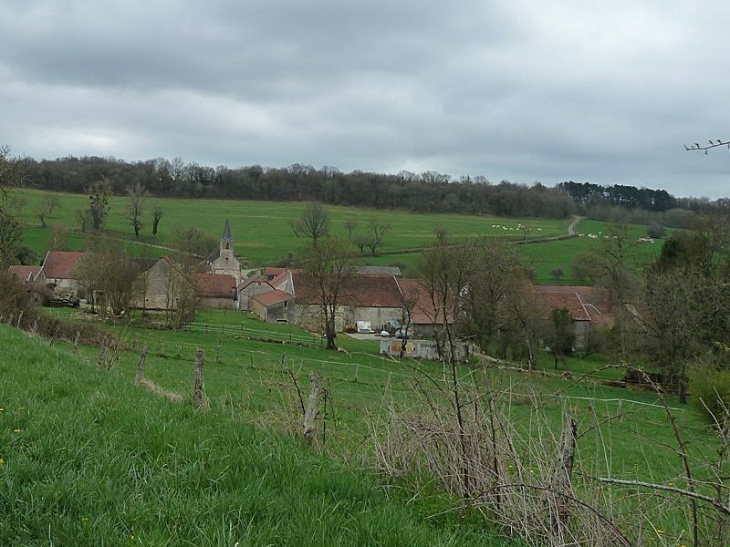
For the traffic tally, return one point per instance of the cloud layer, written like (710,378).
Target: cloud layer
(568,90)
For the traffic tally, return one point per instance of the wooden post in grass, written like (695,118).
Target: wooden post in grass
(218,351)
(560,479)
(10,319)
(140,366)
(102,352)
(198,395)
(310,410)
(34,327)
(357,372)
(20,317)
(179,351)
(53,338)
(76,341)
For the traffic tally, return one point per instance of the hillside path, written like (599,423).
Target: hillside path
(571,227)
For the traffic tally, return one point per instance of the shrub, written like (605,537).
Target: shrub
(655,231)
(710,390)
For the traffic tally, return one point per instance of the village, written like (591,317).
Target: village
(374,300)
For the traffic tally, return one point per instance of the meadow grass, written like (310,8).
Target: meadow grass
(88,459)
(262,229)
(263,235)
(250,384)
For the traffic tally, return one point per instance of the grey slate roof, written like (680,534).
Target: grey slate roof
(227,232)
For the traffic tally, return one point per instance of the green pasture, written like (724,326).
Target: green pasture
(88,459)
(252,382)
(543,258)
(262,230)
(263,234)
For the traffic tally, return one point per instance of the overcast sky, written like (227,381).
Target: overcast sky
(587,90)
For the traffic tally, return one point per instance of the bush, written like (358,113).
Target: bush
(655,231)
(710,390)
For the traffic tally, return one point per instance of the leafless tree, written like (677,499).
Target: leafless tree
(45,208)
(83,219)
(99,194)
(350,226)
(156,217)
(58,238)
(10,228)
(137,196)
(314,223)
(378,229)
(109,275)
(328,270)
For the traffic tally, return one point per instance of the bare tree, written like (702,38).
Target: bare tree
(328,270)
(45,208)
(11,232)
(83,219)
(58,238)
(10,228)
(99,194)
(137,196)
(108,276)
(350,226)
(378,229)
(156,217)
(193,242)
(314,223)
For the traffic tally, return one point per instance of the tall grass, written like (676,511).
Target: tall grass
(87,459)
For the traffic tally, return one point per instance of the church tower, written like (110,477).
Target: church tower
(224,261)
(227,242)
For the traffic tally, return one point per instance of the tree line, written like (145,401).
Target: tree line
(421,192)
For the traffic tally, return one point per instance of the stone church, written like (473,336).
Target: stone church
(223,260)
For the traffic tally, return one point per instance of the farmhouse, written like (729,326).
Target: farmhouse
(588,306)
(58,272)
(374,299)
(273,306)
(25,274)
(217,291)
(159,286)
(423,320)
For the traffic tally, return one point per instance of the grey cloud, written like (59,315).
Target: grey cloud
(522,91)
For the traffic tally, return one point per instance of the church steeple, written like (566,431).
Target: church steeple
(227,239)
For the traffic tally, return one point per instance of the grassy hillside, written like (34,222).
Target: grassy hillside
(93,457)
(88,459)
(263,235)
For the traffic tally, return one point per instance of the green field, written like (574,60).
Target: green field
(87,459)
(263,235)
(250,374)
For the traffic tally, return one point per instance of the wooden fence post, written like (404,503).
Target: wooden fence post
(140,366)
(560,480)
(76,341)
(198,395)
(310,410)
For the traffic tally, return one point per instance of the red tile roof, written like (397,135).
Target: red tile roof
(24,273)
(61,264)
(584,303)
(216,286)
(281,280)
(423,312)
(272,297)
(272,272)
(251,280)
(367,291)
